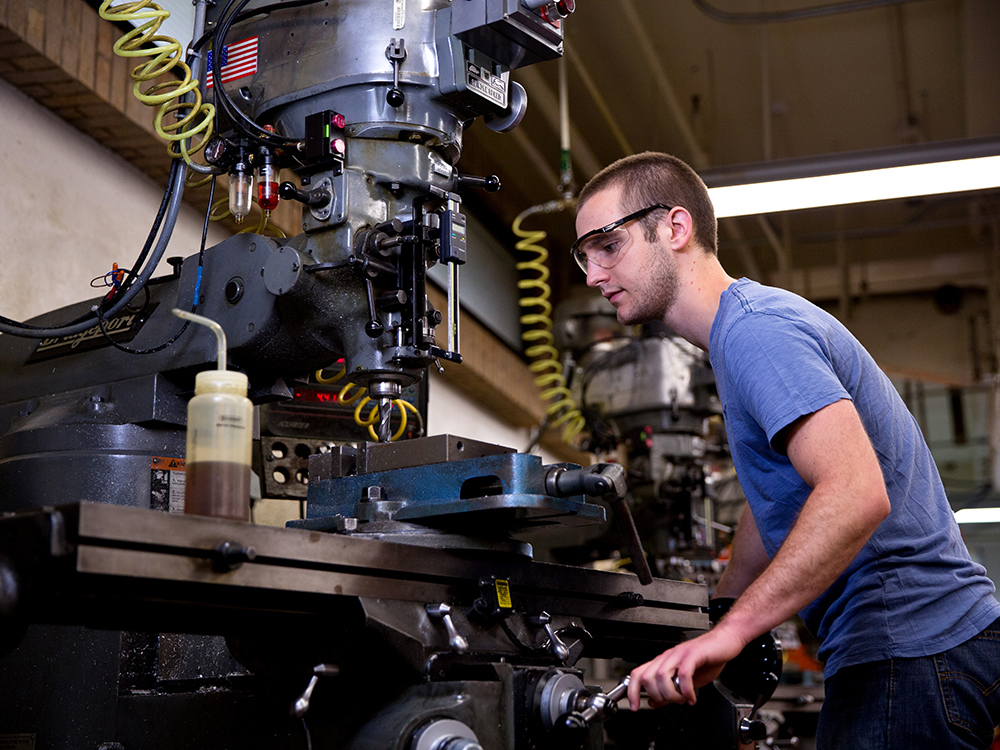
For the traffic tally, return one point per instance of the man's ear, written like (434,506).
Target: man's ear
(681,227)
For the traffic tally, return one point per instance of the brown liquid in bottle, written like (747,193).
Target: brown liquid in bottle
(217,488)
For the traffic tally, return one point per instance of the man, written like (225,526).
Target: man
(847,520)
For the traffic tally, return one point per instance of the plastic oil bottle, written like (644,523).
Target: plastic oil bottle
(219,438)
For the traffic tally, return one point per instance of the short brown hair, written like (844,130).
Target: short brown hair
(649,178)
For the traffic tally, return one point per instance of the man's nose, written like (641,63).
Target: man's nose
(596,274)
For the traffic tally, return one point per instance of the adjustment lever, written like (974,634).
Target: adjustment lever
(753,729)
(443,612)
(602,705)
(395,53)
(591,708)
(314,198)
(489,183)
(301,706)
(373,327)
(606,481)
(560,649)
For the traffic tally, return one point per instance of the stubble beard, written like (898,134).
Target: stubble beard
(656,293)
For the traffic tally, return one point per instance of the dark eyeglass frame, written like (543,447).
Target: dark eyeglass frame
(581,259)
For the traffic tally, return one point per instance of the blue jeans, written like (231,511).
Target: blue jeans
(949,700)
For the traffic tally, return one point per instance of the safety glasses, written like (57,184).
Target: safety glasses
(603,246)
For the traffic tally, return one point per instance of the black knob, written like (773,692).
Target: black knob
(315,198)
(489,183)
(231,555)
(176,262)
(752,731)
(395,97)
(374,329)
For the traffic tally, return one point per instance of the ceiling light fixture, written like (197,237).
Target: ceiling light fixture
(856,177)
(978,515)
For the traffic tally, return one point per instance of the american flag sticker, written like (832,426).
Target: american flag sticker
(239,60)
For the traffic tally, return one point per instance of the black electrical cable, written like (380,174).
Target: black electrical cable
(154,230)
(172,198)
(794,15)
(129,275)
(241,120)
(194,302)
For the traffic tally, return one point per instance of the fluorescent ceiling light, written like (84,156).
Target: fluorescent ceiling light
(858,177)
(978,515)
(857,187)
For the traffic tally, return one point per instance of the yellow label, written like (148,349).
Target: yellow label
(503,594)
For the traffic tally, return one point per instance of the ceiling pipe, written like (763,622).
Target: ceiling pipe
(699,159)
(599,101)
(536,158)
(782,250)
(541,96)
(911,129)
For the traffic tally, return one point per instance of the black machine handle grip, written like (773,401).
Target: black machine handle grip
(606,481)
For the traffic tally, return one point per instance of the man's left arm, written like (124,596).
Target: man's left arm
(831,451)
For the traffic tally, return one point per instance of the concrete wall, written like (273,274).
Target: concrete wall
(70,209)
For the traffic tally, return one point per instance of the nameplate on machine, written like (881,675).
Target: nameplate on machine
(486,84)
(120,329)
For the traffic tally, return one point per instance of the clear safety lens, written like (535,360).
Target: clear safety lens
(601,249)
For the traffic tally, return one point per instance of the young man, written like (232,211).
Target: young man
(847,522)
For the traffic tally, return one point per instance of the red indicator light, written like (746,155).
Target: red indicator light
(337,145)
(339,121)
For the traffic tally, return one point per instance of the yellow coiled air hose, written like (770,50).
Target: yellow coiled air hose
(346,397)
(166,56)
(536,325)
(262,225)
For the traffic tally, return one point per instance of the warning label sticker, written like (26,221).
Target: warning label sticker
(503,594)
(166,486)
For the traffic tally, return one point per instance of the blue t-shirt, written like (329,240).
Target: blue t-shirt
(913,589)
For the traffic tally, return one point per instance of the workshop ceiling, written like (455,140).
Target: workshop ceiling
(671,75)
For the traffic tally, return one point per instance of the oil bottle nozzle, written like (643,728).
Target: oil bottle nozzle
(220,335)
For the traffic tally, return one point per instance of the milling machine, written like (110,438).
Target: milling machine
(650,397)
(402,613)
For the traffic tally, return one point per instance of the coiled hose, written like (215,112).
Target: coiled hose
(259,228)
(346,397)
(536,322)
(167,55)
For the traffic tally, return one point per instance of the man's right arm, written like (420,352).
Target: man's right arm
(747,559)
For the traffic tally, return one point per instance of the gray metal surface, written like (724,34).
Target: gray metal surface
(133,543)
(435,449)
(651,374)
